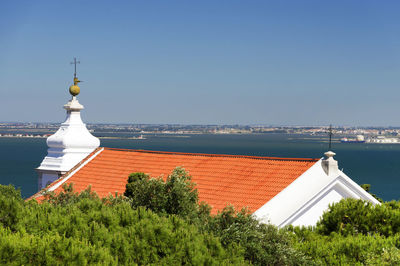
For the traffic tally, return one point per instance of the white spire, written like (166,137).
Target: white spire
(69,145)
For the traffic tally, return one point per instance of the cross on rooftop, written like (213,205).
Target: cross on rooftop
(74,63)
(330,133)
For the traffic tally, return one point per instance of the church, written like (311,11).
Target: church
(280,191)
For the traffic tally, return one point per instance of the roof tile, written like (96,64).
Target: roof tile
(243,181)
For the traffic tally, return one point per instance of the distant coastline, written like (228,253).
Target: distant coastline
(381,135)
(46,136)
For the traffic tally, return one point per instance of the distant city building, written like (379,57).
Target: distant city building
(383,140)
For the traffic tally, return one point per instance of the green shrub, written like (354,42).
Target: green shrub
(353,232)
(351,216)
(389,256)
(11,207)
(68,196)
(264,244)
(337,249)
(80,228)
(49,249)
(176,195)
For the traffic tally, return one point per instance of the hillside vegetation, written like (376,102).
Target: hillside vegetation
(163,222)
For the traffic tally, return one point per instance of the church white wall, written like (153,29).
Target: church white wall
(312,214)
(294,196)
(304,201)
(340,188)
(312,211)
(47,177)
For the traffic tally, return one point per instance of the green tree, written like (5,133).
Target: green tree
(177,195)
(263,244)
(353,232)
(80,229)
(337,249)
(11,207)
(352,216)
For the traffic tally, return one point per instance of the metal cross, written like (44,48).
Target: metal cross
(74,63)
(330,137)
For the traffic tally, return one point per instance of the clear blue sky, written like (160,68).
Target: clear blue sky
(203,62)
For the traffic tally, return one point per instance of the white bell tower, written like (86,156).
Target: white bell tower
(70,144)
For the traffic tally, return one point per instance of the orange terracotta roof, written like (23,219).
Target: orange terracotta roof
(243,181)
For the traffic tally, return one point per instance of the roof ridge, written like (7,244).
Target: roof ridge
(218,155)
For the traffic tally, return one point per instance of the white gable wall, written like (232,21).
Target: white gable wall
(304,201)
(311,213)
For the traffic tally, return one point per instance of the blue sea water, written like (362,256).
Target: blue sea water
(375,164)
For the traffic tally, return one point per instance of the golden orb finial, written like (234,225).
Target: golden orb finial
(74,89)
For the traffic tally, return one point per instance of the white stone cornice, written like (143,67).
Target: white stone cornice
(71,143)
(73,105)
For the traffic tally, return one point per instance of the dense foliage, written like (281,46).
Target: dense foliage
(83,229)
(263,244)
(354,232)
(352,217)
(336,249)
(162,222)
(350,232)
(176,195)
